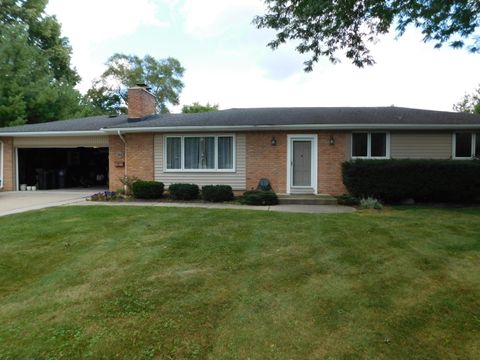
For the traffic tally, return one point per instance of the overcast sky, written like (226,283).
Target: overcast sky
(227,61)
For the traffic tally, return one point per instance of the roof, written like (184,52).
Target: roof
(261,118)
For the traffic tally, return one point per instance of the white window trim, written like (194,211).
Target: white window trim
(369,145)
(454,145)
(182,142)
(1,165)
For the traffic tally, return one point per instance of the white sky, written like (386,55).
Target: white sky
(227,61)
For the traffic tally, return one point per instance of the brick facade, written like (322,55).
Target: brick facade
(267,161)
(137,158)
(8,164)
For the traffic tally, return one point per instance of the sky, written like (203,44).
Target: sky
(228,63)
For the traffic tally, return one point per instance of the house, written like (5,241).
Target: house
(300,150)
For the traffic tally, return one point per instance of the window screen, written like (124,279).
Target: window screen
(359,144)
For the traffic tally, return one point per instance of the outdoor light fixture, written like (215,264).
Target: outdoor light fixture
(332,140)
(274,141)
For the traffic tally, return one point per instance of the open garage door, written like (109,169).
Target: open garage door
(63,168)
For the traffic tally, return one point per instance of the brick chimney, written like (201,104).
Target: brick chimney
(141,102)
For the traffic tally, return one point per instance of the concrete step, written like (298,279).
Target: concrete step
(307,199)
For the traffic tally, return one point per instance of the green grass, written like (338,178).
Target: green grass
(143,282)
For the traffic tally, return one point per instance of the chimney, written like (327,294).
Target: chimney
(141,102)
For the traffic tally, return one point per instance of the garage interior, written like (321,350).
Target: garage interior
(63,168)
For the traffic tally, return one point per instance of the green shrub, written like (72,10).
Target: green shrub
(184,191)
(371,203)
(348,200)
(421,180)
(217,193)
(258,197)
(147,189)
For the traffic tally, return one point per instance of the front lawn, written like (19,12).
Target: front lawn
(144,282)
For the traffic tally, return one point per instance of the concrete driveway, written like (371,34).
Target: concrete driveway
(21,201)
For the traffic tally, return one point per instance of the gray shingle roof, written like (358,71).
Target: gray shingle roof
(262,117)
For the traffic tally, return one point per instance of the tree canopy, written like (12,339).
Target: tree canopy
(470,102)
(327,28)
(36,78)
(163,76)
(198,108)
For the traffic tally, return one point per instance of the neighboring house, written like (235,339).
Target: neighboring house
(300,150)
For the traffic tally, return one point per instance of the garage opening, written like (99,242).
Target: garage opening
(63,168)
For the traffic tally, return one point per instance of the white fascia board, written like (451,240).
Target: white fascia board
(293,127)
(53,133)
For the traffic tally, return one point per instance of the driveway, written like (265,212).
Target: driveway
(20,201)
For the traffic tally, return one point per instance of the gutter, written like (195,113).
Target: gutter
(163,129)
(53,133)
(294,127)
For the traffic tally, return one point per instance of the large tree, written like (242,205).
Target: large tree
(163,77)
(470,103)
(196,107)
(36,78)
(327,28)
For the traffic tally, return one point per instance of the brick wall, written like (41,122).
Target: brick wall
(267,161)
(330,158)
(116,156)
(138,158)
(8,164)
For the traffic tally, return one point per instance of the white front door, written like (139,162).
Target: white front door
(302,164)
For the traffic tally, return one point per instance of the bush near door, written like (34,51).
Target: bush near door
(217,193)
(421,180)
(258,197)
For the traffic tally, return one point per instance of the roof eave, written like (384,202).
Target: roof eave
(53,133)
(294,127)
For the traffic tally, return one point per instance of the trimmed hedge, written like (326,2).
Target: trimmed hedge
(421,180)
(184,191)
(147,189)
(259,197)
(217,193)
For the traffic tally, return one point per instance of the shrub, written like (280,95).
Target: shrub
(258,197)
(184,191)
(348,200)
(371,203)
(217,193)
(421,180)
(147,189)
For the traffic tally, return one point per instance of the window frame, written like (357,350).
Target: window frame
(369,145)
(182,153)
(473,134)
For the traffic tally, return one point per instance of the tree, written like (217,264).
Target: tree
(163,76)
(198,108)
(470,103)
(325,27)
(36,78)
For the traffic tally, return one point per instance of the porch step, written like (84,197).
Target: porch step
(307,199)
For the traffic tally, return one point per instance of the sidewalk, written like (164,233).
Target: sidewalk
(311,209)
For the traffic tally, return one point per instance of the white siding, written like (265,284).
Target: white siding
(237,180)
(60,141)
(421,145)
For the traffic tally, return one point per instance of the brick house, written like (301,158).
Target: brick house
(300,150)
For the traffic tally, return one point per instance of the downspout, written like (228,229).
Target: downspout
(124,159)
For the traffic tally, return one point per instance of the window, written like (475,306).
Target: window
(466,145)
(199,153)
(368,145)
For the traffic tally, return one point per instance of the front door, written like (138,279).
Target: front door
(302,163)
